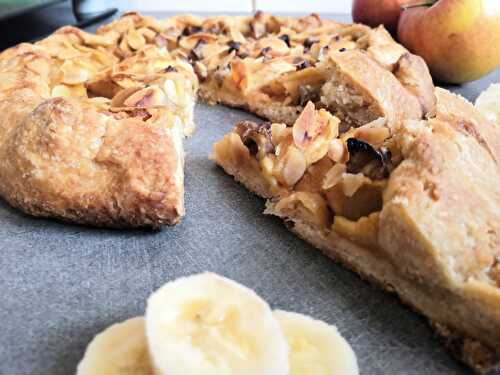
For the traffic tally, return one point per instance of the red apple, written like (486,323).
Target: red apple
(378,12)
(458,39)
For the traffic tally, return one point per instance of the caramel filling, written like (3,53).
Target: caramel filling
(333,181)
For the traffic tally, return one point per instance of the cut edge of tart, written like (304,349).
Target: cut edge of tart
(413,208)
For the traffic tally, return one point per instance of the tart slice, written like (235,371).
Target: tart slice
(414,208)
(272,66)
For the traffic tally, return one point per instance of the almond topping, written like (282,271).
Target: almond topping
(135,40)
(145,98)
(60,91)
(333,176)
(337,151)
(276,47)
(304,127)
(148,34)
(72,74)
(374,133)
(279,132)
(294,167)
(119,99)
(352,182)
(239,73)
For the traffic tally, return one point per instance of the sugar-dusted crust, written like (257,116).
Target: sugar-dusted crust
(435,240)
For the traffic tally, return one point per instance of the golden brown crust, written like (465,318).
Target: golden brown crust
(372,267)
(71,153)
(378,88)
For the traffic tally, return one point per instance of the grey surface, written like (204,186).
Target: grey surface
(61,283)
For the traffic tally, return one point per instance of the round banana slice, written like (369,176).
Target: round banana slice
(316,347)
(206,324)
(488,103)
(120,349)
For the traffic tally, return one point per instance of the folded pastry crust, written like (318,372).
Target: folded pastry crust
(414,208)
(91,131)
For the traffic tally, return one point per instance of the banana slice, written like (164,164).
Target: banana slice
(488,103)
(120,349)
(206,324)
(315,347)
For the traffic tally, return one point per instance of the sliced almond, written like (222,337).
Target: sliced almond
(276,46)
(170,90)
(333,176)
(201,70)
(147,33)
(73,74)
(310,207)
(146,98)
(97,40)
(239,74)
(352,182)
(135,40)
(119,99)
(280,132)
(294,166)
(337,151)
(60,91)
(39,66)
(304,127)
(124,48)
(236,35)
(374,133)
(190,42)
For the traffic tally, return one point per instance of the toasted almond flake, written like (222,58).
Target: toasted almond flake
(374,133)
(39,66)
(277,47)
(124,47)
(190,42)
(294,166)
(333,176)
(304,127)
(147,33)
(148,97)
(73,74)
(170,90)
(280,132)
(201,70)
(239,73)
(119,99)
(337,151)
(267,165)
(135,40)
(352,182)
(60,91)
(236,35)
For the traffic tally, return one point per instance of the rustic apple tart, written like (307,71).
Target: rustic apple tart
(362,156)
(92,123)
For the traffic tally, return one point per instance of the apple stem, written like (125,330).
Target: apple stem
(417,5)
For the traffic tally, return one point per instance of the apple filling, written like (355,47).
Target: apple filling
(313,173)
